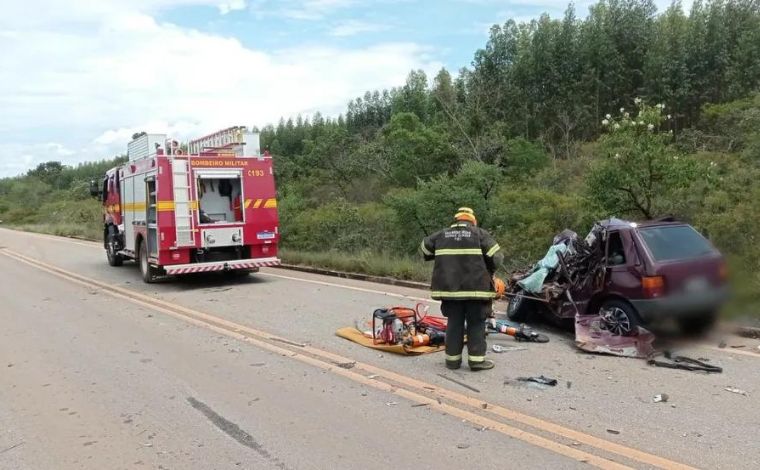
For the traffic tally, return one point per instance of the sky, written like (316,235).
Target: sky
(79,77)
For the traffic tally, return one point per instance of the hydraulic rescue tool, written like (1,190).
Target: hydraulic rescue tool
(517,331)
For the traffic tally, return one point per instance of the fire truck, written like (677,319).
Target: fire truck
(207,206)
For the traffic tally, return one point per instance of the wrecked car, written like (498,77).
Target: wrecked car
(628,273)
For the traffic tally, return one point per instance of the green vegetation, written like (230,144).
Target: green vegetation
(557,123)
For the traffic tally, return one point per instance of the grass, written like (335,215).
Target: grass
(89,232)
(373,264)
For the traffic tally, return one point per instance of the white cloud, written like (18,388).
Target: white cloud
(354,27)
(231,5)
(88,82)
(307,10)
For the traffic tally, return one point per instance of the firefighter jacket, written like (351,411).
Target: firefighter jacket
(465,261)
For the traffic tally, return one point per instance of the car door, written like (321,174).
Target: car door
(621,277)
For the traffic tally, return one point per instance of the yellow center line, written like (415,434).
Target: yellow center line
(326,361)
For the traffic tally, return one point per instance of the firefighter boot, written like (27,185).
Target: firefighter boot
(453,362)
(481,365)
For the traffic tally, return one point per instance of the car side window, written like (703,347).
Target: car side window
(615,250)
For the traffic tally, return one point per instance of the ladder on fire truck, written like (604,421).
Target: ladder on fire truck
(221,141)
(183,214)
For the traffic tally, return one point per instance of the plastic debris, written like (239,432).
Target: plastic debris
(539,380)
(613,431)
(497,348)
(738,391)
(662,397)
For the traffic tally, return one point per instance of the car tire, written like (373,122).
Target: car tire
(697,325)
(114,258)
(148,272)
(519,308)
(619,318)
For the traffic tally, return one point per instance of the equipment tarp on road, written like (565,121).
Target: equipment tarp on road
(352,334)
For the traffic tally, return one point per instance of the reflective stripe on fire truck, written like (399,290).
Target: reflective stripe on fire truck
(267,203)
(167,206)
(134,206)
(221,265)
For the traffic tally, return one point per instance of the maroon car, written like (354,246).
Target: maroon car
(632,274)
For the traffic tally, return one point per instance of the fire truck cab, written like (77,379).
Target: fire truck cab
(211,207)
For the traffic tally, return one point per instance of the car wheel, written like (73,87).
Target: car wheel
(619,318)
(148,272)
(114,258)
(519,308)
(697,325)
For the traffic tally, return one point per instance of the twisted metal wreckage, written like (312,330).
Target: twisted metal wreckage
(567,281)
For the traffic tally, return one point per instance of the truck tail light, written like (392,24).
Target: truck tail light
(654,286)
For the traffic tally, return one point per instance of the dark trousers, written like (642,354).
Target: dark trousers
(470,315)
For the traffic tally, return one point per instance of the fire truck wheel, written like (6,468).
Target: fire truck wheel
(148,272)
(114,259)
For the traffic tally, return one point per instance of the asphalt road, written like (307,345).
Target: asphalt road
(99,370)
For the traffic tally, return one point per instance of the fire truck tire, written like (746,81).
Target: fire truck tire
(148,272)
(114,259)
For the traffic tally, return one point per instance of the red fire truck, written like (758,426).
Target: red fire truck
(211,207)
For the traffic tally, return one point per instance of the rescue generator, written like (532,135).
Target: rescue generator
(211,207)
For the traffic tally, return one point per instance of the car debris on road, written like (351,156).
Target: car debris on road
(660,398)
(738,391)
(673,361)
(497,348)
(539,380)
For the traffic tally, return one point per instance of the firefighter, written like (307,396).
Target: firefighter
(466,257)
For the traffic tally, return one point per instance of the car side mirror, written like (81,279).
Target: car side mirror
(94,189)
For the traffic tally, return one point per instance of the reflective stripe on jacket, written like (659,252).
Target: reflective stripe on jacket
(464,262)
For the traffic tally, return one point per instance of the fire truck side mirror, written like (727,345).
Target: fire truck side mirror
(94,188)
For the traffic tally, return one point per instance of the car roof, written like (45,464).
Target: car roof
(614,223)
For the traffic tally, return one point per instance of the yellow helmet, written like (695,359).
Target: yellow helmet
(466,214)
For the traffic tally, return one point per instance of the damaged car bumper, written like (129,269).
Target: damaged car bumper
(707,301)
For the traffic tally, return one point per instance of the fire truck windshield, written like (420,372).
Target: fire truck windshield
(220,198)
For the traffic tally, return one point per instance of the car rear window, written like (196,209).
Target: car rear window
(675,242)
